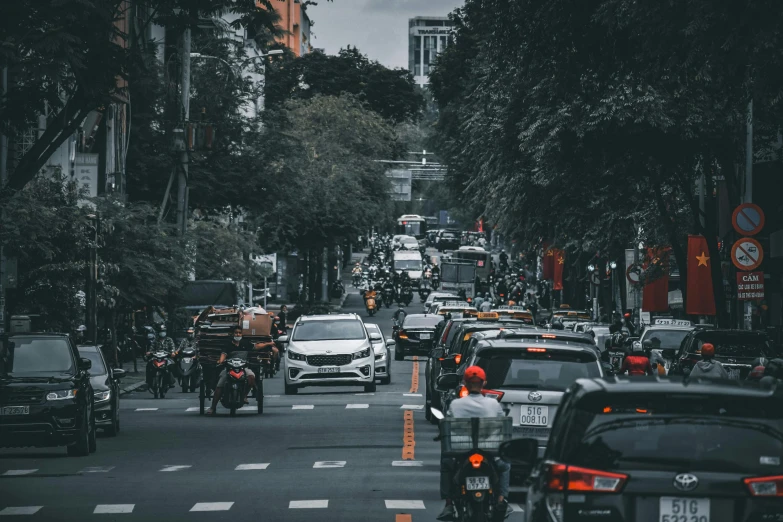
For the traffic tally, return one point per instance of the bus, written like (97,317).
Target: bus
(477,255)
(412,225)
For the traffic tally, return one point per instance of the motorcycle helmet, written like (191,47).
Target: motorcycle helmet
(636,347)
(161,329)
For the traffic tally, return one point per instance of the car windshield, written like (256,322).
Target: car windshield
(666,339)
(422,321)
(675,435)
(733,345)
(407,264)
(545,371)
(28,356)
(97,368)
(346,329)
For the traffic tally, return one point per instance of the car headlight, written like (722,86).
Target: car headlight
(295,356)
(101,396)
(380,355)
(60,395)
(362,355)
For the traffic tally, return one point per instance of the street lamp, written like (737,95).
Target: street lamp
(590,268)
(613,265)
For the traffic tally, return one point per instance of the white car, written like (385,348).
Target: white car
(382,348)
(409,243)
(328,350)
(437,297)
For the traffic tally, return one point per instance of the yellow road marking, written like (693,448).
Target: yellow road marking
(402,517)
(408,435)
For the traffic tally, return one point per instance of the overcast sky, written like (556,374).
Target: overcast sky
(379,28)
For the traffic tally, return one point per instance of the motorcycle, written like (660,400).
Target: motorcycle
(435,280)
(234,392)
(424,293)
(369,302)
(357,278)
(160,380)
(388,296)
(406,295)
(189,369)
(337,289)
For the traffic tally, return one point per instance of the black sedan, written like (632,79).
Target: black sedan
(106,390)
(416,336)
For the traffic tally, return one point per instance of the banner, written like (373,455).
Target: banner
(701,298)
(549,261)
(656,292)
(559,264)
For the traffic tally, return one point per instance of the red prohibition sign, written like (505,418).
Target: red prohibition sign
(747,254)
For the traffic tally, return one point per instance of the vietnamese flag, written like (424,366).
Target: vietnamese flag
(656,293)
(700,299)
(559,263)
(549,261)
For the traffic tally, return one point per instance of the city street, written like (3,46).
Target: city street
(326,453)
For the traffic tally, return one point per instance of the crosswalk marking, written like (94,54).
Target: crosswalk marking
(407,463)
(411,394)
(212,506)
(146,409)
(174,468)
(404,504)
(97,469)
(246,467)
(308,504)
(18,472)
(329,464)
(113,509)
(193,408)
(21,510)
(412,407)
(302,407)
(356,406)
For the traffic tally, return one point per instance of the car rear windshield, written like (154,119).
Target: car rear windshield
(734,345)
(429,321)
(666,339)
(345,329)
(407,264)
(27,356)
(725,434)
(550,370)
(97,368)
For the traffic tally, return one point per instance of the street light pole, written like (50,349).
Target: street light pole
(182,179)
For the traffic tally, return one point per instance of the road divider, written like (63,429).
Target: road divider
(408,434)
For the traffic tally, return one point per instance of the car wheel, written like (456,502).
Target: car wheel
(386,380)
(81,448)
(112,429)
(399,353)
(291,390)
(370,388)
(427,406)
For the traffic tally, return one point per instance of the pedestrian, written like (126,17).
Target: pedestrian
(478,301)
(708,367)
(283,315)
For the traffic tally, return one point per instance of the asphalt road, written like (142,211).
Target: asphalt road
(324,454)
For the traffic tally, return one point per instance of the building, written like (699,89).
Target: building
(427,36)
(296,23)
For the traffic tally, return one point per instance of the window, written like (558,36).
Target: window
(98,368)
(430,321)
(408,264)
(347,329)
(666,339)
(444,42)
(29,356)
(734,345)
(545,371)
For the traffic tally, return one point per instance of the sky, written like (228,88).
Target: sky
(379,28)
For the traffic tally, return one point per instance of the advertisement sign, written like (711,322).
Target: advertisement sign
(750,286)
(401,184)
(86,169)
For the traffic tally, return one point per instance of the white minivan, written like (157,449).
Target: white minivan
(411,261)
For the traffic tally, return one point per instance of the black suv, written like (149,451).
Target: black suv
(45,394)
(658,449)
(734,349)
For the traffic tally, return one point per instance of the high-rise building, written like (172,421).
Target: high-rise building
(294,20)
(427,36)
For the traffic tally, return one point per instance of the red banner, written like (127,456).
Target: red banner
(549,261)
(656,292)
(701,298)
(559,264)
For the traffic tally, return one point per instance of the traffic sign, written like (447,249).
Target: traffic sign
(747,254)
(748,219)
(750,286)
(634,274)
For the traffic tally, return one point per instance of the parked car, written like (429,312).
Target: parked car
(46,398)
(106,390)
(382,348)
(735,349)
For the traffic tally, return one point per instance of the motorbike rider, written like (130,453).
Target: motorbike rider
(759,367)
(657,362)
(477,302)
(473,405)
(557,324)
(708,367)
(399,317)
(503,261)
(486,306)
(636,363)
(166,344)
(237,344)
(502,289)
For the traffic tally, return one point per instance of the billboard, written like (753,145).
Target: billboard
(401,184)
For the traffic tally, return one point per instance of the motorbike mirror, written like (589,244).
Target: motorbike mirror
(447,382)
(390,342)
(85,364)
(437,413)
(282,339)
(520,452)
(118,373)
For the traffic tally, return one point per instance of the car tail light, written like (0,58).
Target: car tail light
(560,477)
(403,334)
(463,392)
(765,486)
(476,460)
(493,394)
(536,350)
(446,332)
(458,358)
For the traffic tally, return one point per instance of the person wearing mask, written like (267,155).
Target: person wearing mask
(657,362)
(473,405)
(478,301)
(237,345)
(636,363)
(708,367)
(165,343)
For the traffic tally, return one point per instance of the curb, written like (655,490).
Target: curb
(132,387)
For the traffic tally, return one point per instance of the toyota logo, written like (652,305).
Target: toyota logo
(686,482)
(328,351)
(534,396)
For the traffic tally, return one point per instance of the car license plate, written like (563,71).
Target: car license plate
(674,509)
(16,410)
(187,359)
(534,415)
(734,373)
(476,483)
(329,369)
(426,336)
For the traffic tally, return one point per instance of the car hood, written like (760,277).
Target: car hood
(328,347)
(38,383)
(379,348)
(99,382)
(414,274)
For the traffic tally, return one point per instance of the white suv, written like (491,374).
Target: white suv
(328,350)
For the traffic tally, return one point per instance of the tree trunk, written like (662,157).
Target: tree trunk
(671,231)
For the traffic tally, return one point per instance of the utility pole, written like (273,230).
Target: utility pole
(3,177)
(182,178)
(747,307)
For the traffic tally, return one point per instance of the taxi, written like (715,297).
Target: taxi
(455,308)
(516,312)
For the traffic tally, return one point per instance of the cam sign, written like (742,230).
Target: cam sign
(750,286)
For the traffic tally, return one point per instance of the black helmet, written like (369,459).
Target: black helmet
(774,368)
(557,324)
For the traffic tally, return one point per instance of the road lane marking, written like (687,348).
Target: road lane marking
(246,467)
(302,407)
(403,517)
(408,435)
(363,394)
(329,464)
(174,468)
(271,396)
(212,506)
(113,509)
(516,507)
(404,504)
(193,408)
(356,406)
(308,504)
(146,409)
(21,510)
(18,472)
(97,469)
(407,463)
(415,375)
(411,394)
(412,407)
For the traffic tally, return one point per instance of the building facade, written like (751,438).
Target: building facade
(427,36)
(296,23)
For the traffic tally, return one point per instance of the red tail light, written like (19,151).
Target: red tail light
(476,459)
(494,394)
(765,486)
(560,477)
(537,350)
(463,392)
(458,358)
(159,363)
(236,374)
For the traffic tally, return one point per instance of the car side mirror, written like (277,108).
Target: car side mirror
(447,382)
(118,373)
(390,342)
(85,364)
(282,339)
(669,353)
(520,452)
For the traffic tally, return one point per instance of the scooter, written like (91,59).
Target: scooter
(234,392)
(369,302)
(388,296)
(160,380)
(189,369)
(424,293)
(406,295)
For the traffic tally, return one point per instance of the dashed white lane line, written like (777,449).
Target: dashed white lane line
(356,406)
(194,408)
(517,508)
(113,509)
(271,396)
(407,463)
(21,510)
(18,472)
(212,506)
(308,504)
(329,464)
(363,394)
(146,409)
(302,407)
(97,469)
(412,407)
(246,467)
(174,468)
(404,504)
(411,394)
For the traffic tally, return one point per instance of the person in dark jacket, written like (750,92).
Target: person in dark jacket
(708,367)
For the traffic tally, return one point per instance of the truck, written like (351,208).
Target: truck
(456,275)
(197,296)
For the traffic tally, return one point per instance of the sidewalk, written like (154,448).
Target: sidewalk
(133,381)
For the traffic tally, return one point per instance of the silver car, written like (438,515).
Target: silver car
(382,348)
(328,350)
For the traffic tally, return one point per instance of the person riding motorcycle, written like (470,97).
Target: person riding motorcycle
(657,362)
(166,344)
(708,367)
(557,324)
(356,273)
(503,261)
(478,300)
(758,369)
(637,363)
(399,317)
(237,344)
(473,405)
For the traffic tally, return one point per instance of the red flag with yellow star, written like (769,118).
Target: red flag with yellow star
(656,292)
(549,261)
(559,257)
(700,299)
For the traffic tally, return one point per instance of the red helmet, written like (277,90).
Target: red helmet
(474,373)
(707,350)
